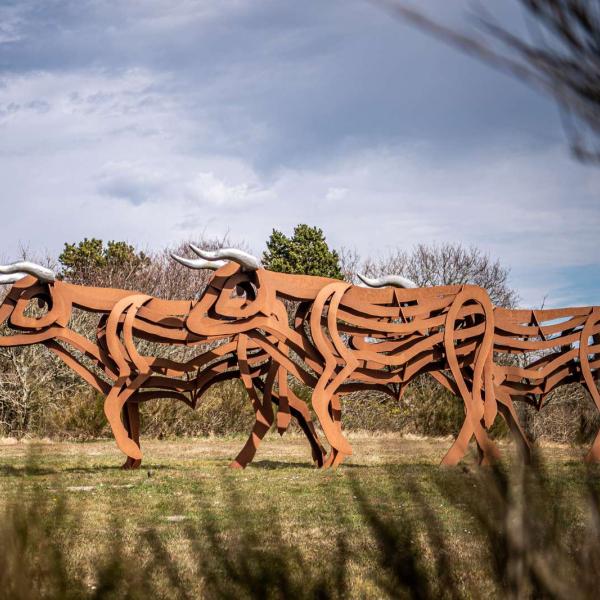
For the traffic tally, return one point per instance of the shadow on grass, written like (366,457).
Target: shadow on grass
(27,470)
(35,470)
(280,464)
(520,523)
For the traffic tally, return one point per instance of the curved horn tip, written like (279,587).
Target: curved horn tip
(186,262)
(198,263)
(196,250)
(367,280)
(407,283)
(391,280)
(29,268)
(247,261)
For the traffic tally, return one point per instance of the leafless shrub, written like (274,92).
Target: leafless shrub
(448,264)
(350,263)
(568,415)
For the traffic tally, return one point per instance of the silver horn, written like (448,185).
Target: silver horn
(15,271)
(5,279)
(247,261)
(392,280)
(198,263)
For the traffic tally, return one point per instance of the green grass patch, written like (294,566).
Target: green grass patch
(390,522)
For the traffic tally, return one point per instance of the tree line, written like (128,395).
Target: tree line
(40,396)
(304,252)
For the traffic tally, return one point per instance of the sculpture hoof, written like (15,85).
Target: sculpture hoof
(319,460)
(131,463)
(236,465)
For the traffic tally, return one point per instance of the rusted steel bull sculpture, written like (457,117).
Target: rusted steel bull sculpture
(341,338)
(543,349)
(533,353)
(122,374)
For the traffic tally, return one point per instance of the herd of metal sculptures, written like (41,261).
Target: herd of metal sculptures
(266,329)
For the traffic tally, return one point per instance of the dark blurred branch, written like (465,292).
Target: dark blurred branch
(563,61)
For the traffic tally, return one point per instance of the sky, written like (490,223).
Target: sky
(158,121)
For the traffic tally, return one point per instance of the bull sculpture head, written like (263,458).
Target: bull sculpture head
(236,294)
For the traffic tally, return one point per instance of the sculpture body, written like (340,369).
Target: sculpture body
(266,328)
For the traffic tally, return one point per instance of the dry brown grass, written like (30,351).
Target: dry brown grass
(185,487)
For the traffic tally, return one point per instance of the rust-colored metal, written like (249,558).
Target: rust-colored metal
(534,352)
(340,338)
(125,377)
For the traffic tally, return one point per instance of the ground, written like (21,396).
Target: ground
(209,525)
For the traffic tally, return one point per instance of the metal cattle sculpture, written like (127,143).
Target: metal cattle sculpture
(265,327)
(123,375)
(543,349)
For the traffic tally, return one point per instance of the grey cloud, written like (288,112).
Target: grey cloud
(130,189)
(298,81)
(177,118)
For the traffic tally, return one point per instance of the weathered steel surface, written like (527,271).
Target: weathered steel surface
(340,338)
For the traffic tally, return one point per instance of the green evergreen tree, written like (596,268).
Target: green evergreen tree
(305,253)
(79,260)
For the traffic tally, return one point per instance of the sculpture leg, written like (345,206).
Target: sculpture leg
(131,420)
(336,457)
(263,420)
(332,348)
(471,388)
(507,410)
(113,405)
(460,445)
(300,412)
(321,401)
(334,460)
(284,414)
(263,409)
(590,330)
(487,450)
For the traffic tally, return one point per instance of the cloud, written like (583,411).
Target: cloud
(132,182)
(283,81)
(154,122)
(335,194)
(10,24)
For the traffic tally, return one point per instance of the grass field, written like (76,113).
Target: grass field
(387,522)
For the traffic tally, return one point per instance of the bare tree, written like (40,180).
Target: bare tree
(448,264)
(350,261)
(561,57)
